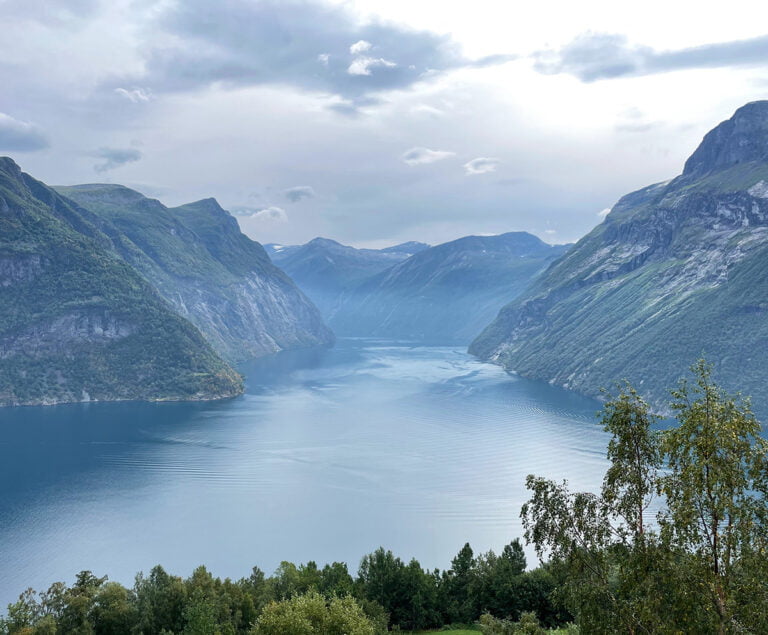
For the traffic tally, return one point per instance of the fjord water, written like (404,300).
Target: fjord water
(329,454)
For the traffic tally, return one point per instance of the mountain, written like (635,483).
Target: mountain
(677,270)
(410,248)
(446,293)
(327,271)
(211,273)
(77,322)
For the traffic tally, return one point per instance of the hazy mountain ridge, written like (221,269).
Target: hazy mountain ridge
(676,270)
(446,293)
(327,271)
(212,274)
(77,322)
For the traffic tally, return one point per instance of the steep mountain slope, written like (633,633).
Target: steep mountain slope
(327,271)
(677,270)
(211,273)
(446,293)
(77,322)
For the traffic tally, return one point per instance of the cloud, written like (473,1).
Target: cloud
(420,156)
(594,56)
(295,194)
(271,214)
(301,43)
(21,135)
(136,95)
(361,46)
(363,65)
(115,157)
(604,212)
(60,13)
(351,107)
(481,165)
(550,232)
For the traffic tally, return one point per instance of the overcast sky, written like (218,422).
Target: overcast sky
(375,121)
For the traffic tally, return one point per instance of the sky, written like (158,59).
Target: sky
(375,122)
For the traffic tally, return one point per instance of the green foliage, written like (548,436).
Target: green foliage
(704,570)
(528,624)
(312,613)
(407,592)
(387,593)
(716,489)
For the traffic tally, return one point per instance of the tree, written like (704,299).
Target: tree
(406,592)
(160,602)
(312,613)
(716,491)
(114,610)
(457,581)
(78,602)
(602,539)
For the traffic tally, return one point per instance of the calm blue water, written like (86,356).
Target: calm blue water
(329,455)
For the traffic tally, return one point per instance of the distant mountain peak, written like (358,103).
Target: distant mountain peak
(741,139)
(209,204)
(110,192)
(324,242)
(410,247)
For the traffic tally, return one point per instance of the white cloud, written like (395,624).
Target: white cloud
(604,212)
(426,109)
(137,95)
(550,232)
(363,65)
(420,156)
(482,165)
(276,214)
(361,46)
(323,58)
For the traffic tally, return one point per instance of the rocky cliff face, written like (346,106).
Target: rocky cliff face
(677,270)
(211,273)
(76,322)
(446,293)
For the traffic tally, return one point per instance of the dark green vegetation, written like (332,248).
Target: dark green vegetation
(77,322)
(213,275)
(702,566)
(444,294)
(676,270)
(386,592)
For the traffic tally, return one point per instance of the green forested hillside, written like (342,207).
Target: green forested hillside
(676,270)
(212,274)
(77,322)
